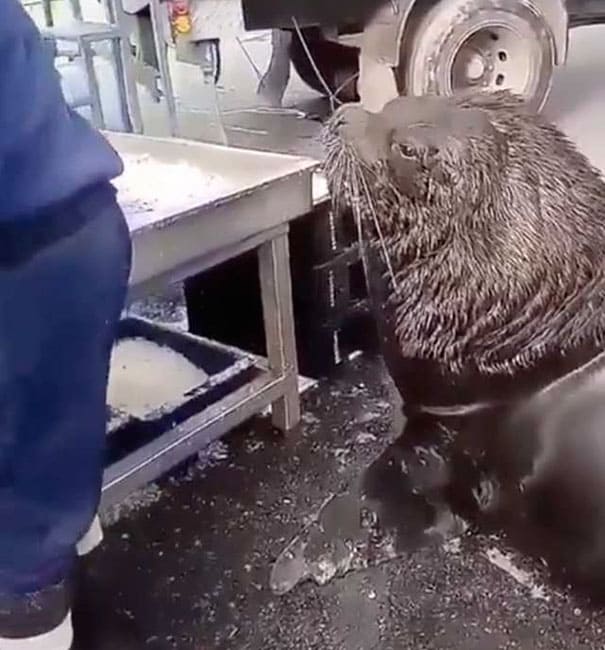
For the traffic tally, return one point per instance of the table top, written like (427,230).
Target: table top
(238,173)
(186,232)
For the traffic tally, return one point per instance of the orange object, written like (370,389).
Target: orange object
(180,16)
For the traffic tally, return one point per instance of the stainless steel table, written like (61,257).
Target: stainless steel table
(266,191)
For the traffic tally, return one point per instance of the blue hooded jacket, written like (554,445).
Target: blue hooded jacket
(48,153)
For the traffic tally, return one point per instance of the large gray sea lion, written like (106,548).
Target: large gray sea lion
(483,236)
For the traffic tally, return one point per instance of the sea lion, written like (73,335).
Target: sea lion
(482,230)
(548,456)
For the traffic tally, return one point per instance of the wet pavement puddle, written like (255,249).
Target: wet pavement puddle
(419,492)
(380,518)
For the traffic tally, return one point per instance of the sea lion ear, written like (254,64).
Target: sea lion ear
(482,124)
(475,121)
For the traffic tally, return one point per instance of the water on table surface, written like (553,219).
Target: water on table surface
(146,377)
(149,185)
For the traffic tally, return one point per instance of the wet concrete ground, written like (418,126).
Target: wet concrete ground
(189,563)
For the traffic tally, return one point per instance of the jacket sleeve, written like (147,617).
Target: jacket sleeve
(29,83)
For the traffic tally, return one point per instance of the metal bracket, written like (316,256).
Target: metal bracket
(272,87)
(379,54)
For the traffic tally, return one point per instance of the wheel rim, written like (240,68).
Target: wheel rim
(440,65)
(496,57)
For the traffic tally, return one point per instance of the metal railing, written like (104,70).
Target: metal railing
(84,36)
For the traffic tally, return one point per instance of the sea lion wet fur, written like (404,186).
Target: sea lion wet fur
(549,462)
(487,228)
(492,222)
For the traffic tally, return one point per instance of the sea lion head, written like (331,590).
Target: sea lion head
(424,149)
(480,218)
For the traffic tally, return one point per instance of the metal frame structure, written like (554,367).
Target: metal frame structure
(84,35)
(164,67)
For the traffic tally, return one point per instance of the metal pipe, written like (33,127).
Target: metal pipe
(160,46)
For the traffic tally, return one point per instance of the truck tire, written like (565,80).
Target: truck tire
(489,45)
(338,64)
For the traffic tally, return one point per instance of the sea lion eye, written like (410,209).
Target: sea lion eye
(404,150)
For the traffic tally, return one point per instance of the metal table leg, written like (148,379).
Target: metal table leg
(120,75)
(276,293)
(76,9)
(93,84)
(48,13)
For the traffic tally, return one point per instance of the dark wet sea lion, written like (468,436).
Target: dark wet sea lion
(484,232)
(549,459)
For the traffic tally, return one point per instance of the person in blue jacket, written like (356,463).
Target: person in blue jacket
(65,257)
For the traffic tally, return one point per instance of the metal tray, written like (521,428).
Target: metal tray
(227,368)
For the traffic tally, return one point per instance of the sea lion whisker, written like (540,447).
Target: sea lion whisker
(335,168)
(383,245)
(352,174)
(358,219)
(354,197)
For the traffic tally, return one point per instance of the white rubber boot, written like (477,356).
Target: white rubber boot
(61,638)
(91,539)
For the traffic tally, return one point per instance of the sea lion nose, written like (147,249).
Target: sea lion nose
(351,121)
(361,131)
